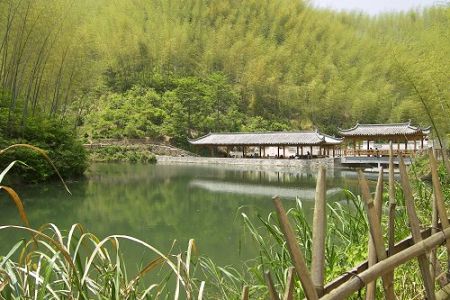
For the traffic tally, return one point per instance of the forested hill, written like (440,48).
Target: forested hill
(183,68)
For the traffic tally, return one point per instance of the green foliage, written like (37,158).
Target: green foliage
(187,107)
(53,136)
(135,114)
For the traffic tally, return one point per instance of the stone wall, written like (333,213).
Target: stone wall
(299,165)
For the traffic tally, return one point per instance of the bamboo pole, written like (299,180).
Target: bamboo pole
(388,265)
(318,233)
(392,204)
(375,231)
(294,250)
(434,224)
(378,203)
(289,290)
(415,230)
(245,292)
(272,292)
(435,267)
(439,203)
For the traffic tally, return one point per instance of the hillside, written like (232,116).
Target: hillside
(183,68)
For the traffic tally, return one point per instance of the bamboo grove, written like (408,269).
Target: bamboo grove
(281,62)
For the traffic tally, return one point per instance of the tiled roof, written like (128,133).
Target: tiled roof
(265,138)
(384,130)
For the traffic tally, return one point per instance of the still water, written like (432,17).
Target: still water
(163,203)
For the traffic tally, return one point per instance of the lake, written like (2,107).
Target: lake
(163,203)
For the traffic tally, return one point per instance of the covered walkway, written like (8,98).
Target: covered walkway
(300,145)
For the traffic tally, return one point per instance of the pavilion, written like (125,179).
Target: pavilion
(373,139)
(304,144)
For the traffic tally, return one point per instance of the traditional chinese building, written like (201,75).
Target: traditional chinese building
(374,139)
(305,144)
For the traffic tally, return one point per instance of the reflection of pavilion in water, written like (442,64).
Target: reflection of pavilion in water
(304,193)
(276,177)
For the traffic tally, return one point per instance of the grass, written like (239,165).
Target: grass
(78,265)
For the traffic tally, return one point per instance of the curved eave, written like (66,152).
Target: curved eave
(347,130)
(426,130)
(195,141)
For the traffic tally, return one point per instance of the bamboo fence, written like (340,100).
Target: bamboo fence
(382,260)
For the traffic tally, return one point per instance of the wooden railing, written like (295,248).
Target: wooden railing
(378,153)
(381,262)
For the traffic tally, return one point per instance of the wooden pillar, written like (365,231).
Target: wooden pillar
(297,150)
(359,148)
(334,147)
(243,151)
(406,146)
(421,143)
(278,148)
(260,151)
(311,148)
(354,147)
(284,151)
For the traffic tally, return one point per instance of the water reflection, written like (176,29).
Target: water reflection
(260,190)
(161,203)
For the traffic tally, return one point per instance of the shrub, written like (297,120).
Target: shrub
(54,137)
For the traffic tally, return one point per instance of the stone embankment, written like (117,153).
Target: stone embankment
(299,165)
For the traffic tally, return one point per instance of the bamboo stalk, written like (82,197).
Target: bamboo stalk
(434,224)
(319,228)
(245,292)
(388,265)
(445,157)
(392,204)
(294,250)
(289,290)
(415,230)
(439,203)
(272,292)
(375,231)
(378,203)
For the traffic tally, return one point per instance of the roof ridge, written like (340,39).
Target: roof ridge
(376,125)
(386,124)
(260,132)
